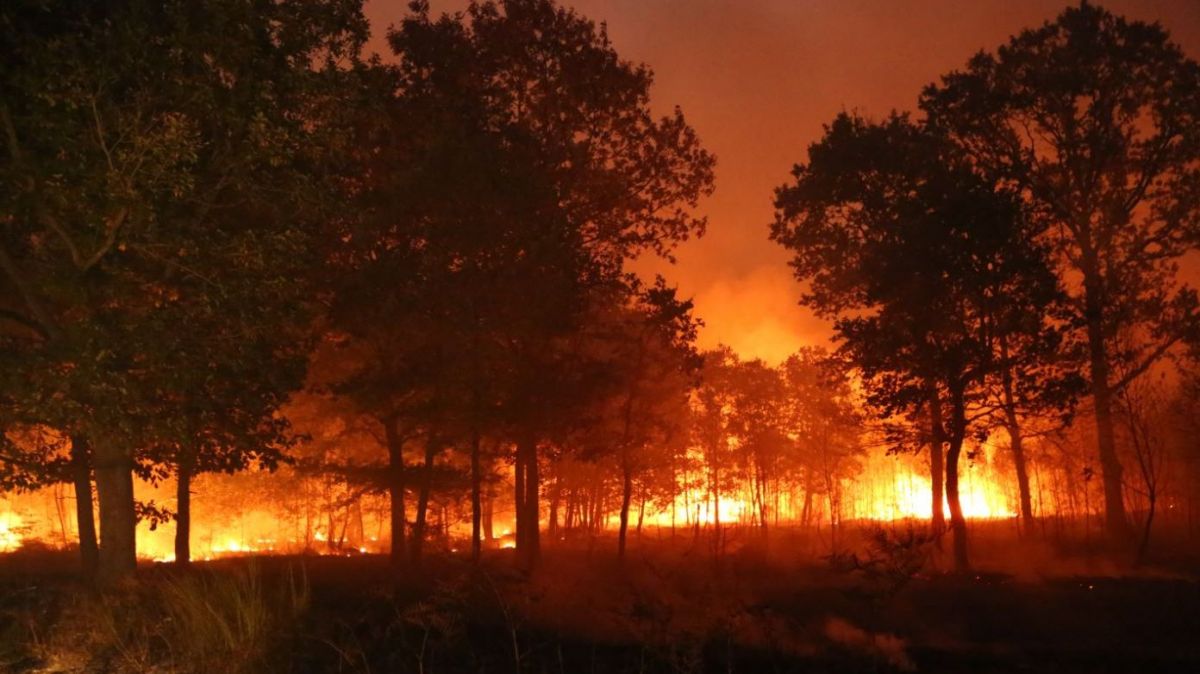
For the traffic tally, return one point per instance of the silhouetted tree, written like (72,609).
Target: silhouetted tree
(158,157)
(1096,121)
(570,176)
(923,266)
(824,427)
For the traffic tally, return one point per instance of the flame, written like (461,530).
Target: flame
(912,498)
(10,538)
(895,488)
(249,514)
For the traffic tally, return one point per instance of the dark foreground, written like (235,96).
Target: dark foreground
(670,610)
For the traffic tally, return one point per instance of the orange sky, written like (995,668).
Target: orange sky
(758,78)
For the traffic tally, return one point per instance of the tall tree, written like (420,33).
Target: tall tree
(823,425)
(649,346)
(570,175)
(158,157)
(712,408)
(923,266)
(1096,120)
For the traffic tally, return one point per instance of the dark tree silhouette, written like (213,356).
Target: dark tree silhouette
(156,165)
(1096,120)
(571,176)
(923,266)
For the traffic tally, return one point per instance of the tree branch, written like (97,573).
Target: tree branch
(10,269)
(1148,361)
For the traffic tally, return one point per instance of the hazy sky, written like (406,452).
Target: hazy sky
(758,78)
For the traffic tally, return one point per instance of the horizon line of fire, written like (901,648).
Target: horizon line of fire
(226,523)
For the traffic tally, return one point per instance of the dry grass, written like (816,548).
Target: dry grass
(202,621)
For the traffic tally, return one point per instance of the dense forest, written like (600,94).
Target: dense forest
(266,294)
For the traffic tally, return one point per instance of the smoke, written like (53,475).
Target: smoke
(757,314)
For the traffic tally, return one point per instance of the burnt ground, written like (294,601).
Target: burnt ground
(665,609)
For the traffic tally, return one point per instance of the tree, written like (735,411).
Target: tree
(1032,391)
(821,421)
(712,419)
(924,266)
(568,176)
(650,343)
(1096,121)
(162,160)
(757,423)
(1143,407)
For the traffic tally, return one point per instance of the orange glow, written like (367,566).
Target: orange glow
(233,516)
(10,537)
(912,498)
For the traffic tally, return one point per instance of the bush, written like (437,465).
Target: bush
(891,558)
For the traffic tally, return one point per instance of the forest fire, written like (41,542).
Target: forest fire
(226,524)
(431,335)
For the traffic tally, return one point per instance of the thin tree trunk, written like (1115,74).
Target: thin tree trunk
(519,498)
(1115,523)
(183,511)
(476,497)
(418,533)
(957,522)
(555,498)
(476,412)
(641,512)
(489,529)
(626,496)
(396,488)
(762,501)
(1144,545)
(806,512)
(533,506)
(936,441)
(1012,424)
(715,492)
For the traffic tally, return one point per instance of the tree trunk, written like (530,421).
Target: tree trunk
(957,522)
(806,512)
(418,532)
(936,441)
(85,518)
(519,498)
(118,514)
(396,489)
(1012,424)
(762,501)
(555,499)
(528,507)
(715,493)
(641,512)
(1144,546)
(183,512)
(476,497)
(1115,523)
(489,529)
(533,508)
(626,497)
(1022,469)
